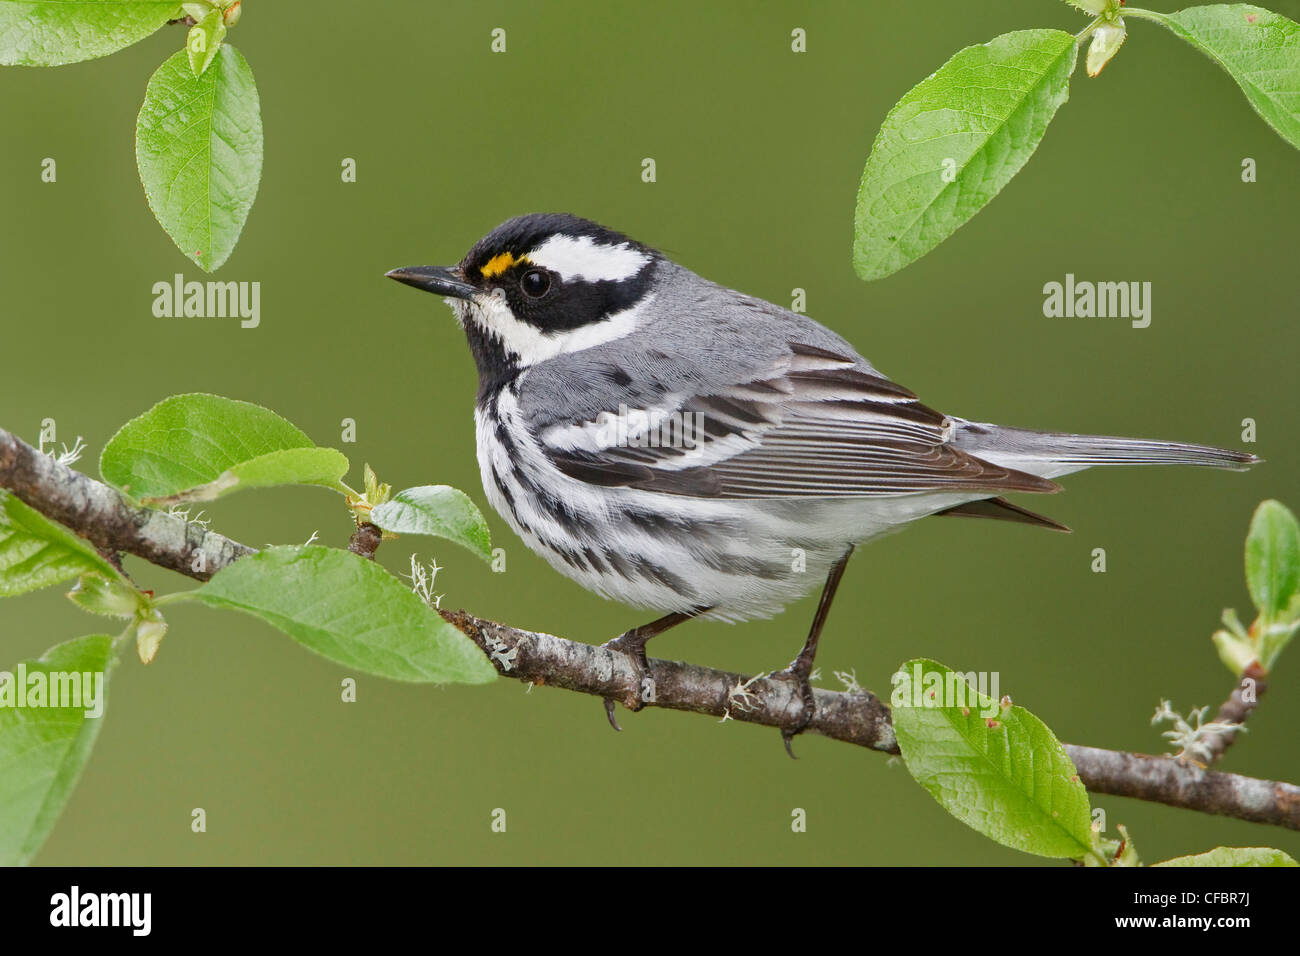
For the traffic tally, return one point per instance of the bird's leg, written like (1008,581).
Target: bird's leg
(632,643)
(801,668)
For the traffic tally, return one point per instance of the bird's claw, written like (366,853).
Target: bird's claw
(803,686)
(636,651)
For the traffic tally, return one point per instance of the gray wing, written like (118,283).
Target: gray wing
(807,422)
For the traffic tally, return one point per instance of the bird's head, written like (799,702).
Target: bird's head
(540,285)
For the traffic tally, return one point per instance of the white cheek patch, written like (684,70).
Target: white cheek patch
(530,345)
(582,258)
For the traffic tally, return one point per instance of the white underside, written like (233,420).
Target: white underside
(805,536)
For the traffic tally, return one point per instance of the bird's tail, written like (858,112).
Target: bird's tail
(1051,454)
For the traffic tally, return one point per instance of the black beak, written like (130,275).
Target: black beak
(437,279)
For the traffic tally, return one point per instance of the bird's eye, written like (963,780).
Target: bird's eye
(536,282)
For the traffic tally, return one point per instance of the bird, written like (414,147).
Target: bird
(687,449)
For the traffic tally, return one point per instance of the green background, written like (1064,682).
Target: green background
(759,151)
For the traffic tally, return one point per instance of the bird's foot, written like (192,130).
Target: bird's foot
(800,675)
(631,644)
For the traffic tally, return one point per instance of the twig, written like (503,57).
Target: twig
(111,521)
(1237,708)
(365,540)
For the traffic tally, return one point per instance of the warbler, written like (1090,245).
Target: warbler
(682,447)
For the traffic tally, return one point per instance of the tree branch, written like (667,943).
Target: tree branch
(856,717)
(114,523)
(107,518)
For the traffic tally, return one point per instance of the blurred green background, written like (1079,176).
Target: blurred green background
(759,151)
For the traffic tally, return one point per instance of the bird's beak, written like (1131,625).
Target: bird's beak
(440,280)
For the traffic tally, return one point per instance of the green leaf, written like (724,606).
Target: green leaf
(197,447)
(953,142)
(437,510)
(43,749)
(111,597)
(55,32)
(36,552)
(198,143)
(204,40)
(1273,558)
(1237,653)
(293,466)
(1233,856)
(349,610)
(999,770)
(1108,852)
(1259,49)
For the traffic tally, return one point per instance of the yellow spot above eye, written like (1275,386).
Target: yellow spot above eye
(499,264)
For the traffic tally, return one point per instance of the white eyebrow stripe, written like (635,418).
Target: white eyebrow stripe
(530,345)
(582,258)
